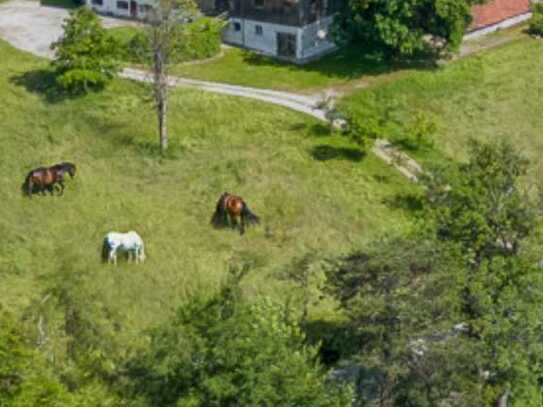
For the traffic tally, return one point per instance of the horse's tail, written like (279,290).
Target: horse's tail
(249,217)
(220,218)
(105,250)
(27,186)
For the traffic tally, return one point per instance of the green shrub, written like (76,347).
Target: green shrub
(199,40)
(536,23)
(202,39)
(85,55)
(419,132)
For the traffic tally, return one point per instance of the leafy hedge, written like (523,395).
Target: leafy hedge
(199,40)
(202,39)
(536,23)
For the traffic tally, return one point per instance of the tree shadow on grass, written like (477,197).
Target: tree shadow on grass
(42,82)
(348,63)
(411,202)
(336,340)
(325,152)
(316,130)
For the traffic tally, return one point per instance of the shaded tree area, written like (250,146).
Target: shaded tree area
(226,352)
(405,27)
(451,314)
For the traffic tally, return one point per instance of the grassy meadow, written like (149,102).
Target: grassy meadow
(491,96)
(314,192)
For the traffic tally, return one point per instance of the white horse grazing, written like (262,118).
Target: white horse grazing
(130,243)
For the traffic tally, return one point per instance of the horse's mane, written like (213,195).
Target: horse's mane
(64,165)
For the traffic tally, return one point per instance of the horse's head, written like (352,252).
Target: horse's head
(70,169)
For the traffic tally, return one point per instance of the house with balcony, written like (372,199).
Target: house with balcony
(292,30)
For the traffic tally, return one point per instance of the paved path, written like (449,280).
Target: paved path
(29,26)
(300,103)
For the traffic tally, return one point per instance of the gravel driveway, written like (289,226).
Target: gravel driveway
(32,27)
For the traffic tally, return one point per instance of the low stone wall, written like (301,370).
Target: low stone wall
(510,22)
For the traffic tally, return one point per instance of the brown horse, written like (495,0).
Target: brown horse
(45,178)
(233,207)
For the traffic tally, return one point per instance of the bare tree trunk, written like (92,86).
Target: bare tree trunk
(162,110)
(161,91)
(503,400)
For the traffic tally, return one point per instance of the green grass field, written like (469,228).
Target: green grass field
(313,192)
(240,67)
(491,96)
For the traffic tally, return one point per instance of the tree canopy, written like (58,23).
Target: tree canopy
(451,313)
(226,352)
(405,27)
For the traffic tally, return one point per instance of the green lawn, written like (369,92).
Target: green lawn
(246,68)
(345,71)
(313,192)
(491,96)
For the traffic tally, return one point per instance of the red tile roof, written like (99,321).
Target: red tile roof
(497,11)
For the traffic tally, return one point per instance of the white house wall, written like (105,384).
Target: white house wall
(266,43)
(109,7)
(230,35)
(309,45)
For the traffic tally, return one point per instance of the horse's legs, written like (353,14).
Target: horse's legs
(112,256)
(61,183)
(242,229)
(51,189)
(30,188)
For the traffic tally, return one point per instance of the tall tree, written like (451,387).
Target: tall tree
(163,32)
(482,207)
(403,27)
(454,315)
(400,296)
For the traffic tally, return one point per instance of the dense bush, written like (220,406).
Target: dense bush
(202,39)
(536,23)
(198,40)
(225,352)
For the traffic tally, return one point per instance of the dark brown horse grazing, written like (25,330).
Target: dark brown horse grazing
(233,207)
(45,178)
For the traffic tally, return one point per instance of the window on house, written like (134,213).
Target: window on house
(259,3)
(237,27)
(316,9)
(258,30)
(122,5)
(97,2)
